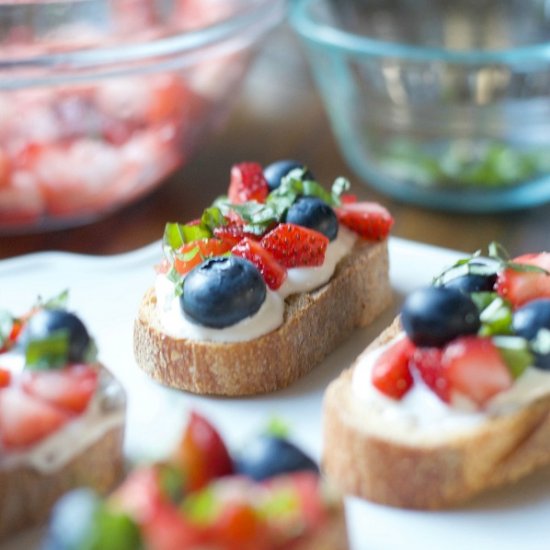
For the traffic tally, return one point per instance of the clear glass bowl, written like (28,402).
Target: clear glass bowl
(442,104)
(100,100)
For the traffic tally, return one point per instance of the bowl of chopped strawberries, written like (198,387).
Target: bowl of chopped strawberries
(101,101)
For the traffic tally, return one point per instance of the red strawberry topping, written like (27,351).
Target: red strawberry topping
(369,219)
(428,362)
(523,286)
(24,420)
(70,388)
(272,271)
(391,373)
(296,246)
(475,368)
(202,453)
(194,253)
(5,378)
(247,183)
(233,232)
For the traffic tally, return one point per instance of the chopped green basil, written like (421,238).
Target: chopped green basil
(201,507)
(515,352)
(48,353)
(496,318)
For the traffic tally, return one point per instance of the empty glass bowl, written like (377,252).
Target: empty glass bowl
(440,103)
(100,100)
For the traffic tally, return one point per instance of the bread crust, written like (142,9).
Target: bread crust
(27,494)
(314,324)
(427,474)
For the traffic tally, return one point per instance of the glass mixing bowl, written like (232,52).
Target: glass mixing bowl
(445,104)
(100,100)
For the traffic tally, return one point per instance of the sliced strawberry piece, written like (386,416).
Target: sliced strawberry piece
(522,286)
(70,388)
(5,377)
(391,373)
(167,529)
(475,368)
(194,253)
(428,362)
(25,420)
(239,527)
(348,198)
(202,454)
(5,169)
(369,219)
(233,232)
(296,246)
(247,183)
(272,271)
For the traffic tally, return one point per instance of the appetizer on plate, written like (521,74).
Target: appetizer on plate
(269,497)
(61,414)
(454,397)
(264,285)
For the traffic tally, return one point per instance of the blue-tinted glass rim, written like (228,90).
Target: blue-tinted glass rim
(328,36)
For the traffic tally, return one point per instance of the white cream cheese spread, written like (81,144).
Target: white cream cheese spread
(270,315)
(421,412)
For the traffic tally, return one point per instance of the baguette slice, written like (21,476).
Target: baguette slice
(27,492)
(314,324)
(366,457)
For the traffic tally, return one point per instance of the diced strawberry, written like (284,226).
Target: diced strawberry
(428,362)
(163,266)
(272,271)
(5,169)
(296,246)
(239,527)
(24,420)
(523,286)
(348,198)
(475,368)
(233,232)
(169,96)
(194,253)
(163,526)
(247,183)
(167,529)
(308,487)
(70,388)
(5,377)
(202,454)
(369,219)
(391,373)
(140,495)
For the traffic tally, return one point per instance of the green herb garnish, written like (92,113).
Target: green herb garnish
(515,352)
(48,353)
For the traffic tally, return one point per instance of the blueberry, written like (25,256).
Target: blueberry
(528,320)
(481,276)
(268,456)
(48,321)
(314,213)
(73,520)
(433,316)
(276,171)
(222,291)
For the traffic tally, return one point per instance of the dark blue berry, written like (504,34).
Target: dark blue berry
(433,316)
(314,213)
(222,291)
(73,521)
(481,276)
(528,320)
(268,456)
(276,171)
(43,324)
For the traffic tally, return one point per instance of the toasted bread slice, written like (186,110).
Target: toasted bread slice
(28,489)
(367,456)
(314,324)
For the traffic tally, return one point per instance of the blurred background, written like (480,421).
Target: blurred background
(263,108)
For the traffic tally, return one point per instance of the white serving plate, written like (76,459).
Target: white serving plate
(106,291)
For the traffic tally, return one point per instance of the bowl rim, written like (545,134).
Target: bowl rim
(258,17)
(326,35)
